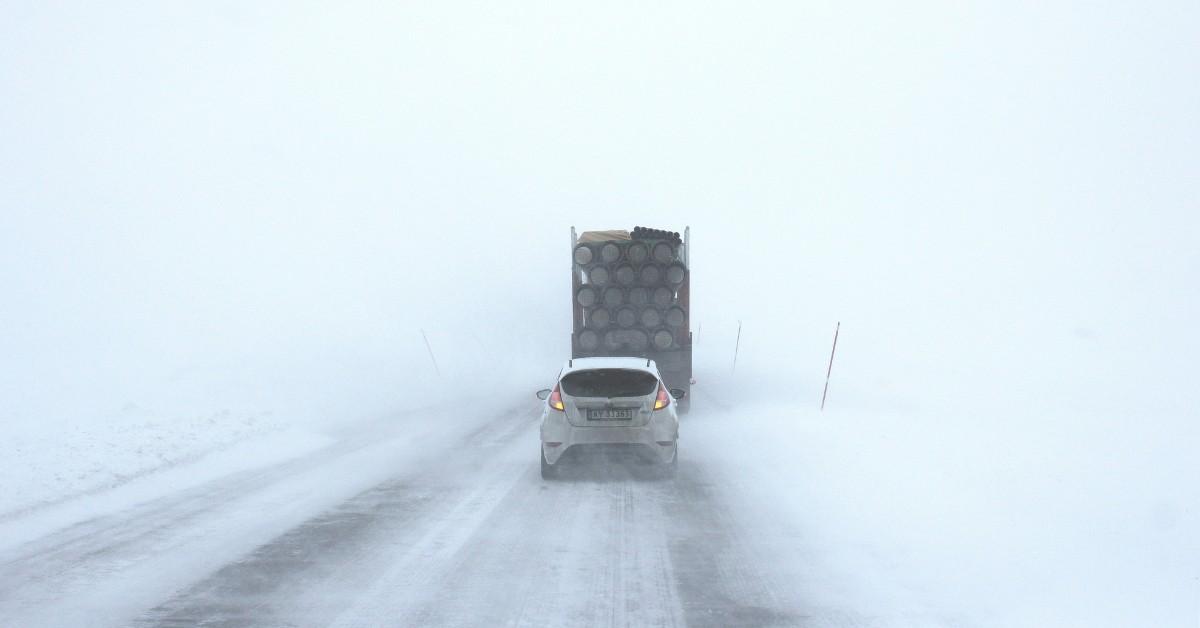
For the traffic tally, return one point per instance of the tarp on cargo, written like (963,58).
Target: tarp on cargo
(604,236)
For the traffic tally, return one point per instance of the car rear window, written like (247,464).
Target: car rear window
(609,383)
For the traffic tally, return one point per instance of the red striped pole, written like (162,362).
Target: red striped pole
(829,371)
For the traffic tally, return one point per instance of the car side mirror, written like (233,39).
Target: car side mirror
(543,394)
(678,393)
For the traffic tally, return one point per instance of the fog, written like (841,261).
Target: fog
(272,208)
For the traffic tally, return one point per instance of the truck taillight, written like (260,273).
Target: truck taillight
(555,400)
(662,400)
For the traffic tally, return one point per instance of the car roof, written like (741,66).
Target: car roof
(585,364)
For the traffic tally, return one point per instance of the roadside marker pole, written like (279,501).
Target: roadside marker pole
(430,350)
(829,371)
(736,344)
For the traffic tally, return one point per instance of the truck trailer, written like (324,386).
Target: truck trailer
(631,297)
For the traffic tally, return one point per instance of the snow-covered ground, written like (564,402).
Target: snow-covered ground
(979,517)
(67,464)
(780,516)
(44,463)
(277,283)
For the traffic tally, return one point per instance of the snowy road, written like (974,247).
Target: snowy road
(342,537)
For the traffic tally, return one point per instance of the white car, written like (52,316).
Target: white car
(610,401)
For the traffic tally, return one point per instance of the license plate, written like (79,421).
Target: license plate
(610,414)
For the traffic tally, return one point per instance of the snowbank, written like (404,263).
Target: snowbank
(268,409)
(48,462)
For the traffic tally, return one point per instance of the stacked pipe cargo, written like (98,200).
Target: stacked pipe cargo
(631,292)
(646,233)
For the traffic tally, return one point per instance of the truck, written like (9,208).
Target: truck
(631,297)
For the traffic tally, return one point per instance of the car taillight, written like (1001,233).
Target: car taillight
(555,400)
(662,400)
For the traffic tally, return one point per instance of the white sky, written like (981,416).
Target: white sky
(1004,194)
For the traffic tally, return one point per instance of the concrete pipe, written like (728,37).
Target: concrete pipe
(609,252)
(662,297)
(627,317)
(613,297)
(626,275)
(589,340)
(676,317)
(676,274)
(583,255)
(586,296)
(637,339)
(651,275)
(599,318)
(662,339)
(663,252)
(637,253)
(651,317)
(597,276)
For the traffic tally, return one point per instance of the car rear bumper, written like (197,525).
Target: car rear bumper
(659,430)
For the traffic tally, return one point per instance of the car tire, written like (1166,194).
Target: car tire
(549,471)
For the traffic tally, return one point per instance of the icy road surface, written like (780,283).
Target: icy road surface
(426,521)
